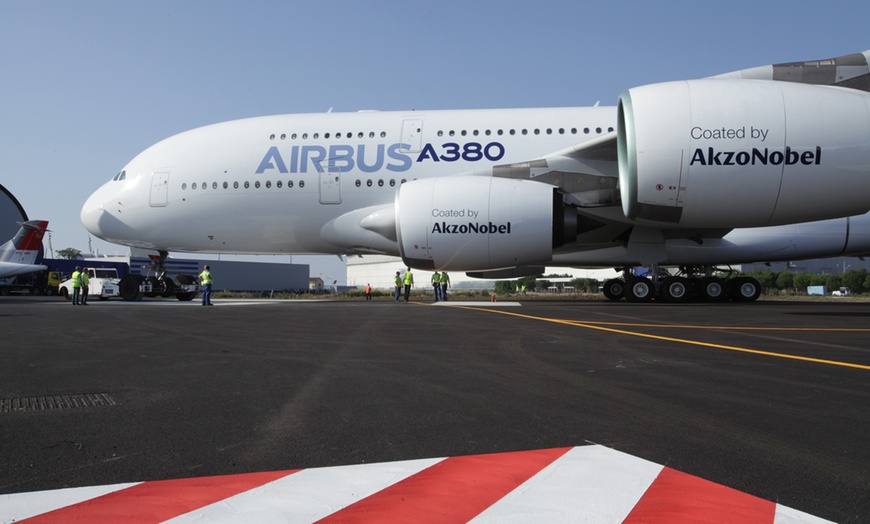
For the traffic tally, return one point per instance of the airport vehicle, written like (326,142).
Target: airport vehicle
(764,164)
(17,256)
(36,283)
(102,284)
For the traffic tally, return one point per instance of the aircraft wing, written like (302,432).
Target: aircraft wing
(10,269)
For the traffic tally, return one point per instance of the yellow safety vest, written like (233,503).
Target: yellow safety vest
(205,278)
(76,279)
(409,278)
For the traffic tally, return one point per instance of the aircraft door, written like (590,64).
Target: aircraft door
(159,189)
(330,184)
(412,134)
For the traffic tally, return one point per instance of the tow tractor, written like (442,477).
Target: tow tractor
(102,284)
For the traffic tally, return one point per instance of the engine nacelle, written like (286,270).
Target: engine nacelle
(724,153)
(468,223)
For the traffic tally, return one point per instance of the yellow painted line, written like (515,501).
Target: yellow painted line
(724,328)
(678,340)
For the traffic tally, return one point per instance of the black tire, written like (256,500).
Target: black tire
(183,280)
(639,289)
(166,287)
(614,289)
(744,289)
(713,289)
(65,293)
(155,286)
(676,289)
(129,288)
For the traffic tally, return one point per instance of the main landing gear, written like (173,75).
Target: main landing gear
(134,287)
(678,289)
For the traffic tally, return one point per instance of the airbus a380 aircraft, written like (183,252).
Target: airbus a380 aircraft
(765,164)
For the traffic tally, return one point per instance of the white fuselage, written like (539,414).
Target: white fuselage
(271,184)
(304,184)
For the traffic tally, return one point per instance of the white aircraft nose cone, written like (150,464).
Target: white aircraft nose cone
(90,216)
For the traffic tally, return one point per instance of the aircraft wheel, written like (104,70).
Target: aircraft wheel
(155,286)
(614,289)
(639,289)
(676,289)
(166,287)
(183,280)
(129,288)
(744,289)
(713,289)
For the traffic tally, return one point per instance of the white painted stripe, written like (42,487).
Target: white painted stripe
(19,506)
(309,495)
(587,484)
(785,515)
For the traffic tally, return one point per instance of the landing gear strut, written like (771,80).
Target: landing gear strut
(134,287)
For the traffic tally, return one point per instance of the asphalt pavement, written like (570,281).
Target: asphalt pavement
(769,398)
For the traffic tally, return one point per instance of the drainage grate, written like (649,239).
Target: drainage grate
(55,402)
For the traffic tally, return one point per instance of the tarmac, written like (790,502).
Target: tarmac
(768,400)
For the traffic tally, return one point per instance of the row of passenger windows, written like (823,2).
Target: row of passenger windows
(226,185)
(475,132)
(279,184)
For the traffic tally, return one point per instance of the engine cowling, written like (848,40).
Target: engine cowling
(468,223)
(725,153)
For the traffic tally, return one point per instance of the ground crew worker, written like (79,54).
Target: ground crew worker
(85,282)
(205,282)
(368,291)
(398,281)
(409,281)
(445,281)
(436,285)
(76,285)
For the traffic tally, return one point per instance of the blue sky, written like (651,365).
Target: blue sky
(86,85)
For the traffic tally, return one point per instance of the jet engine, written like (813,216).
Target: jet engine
(474,222)
(727,153)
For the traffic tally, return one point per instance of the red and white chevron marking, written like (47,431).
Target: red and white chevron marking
(581,484)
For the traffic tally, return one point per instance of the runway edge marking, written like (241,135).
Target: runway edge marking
(586,483)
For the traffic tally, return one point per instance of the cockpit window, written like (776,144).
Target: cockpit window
(120,176)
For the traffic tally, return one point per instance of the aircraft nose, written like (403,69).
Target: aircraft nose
(91,214)
(102,214)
